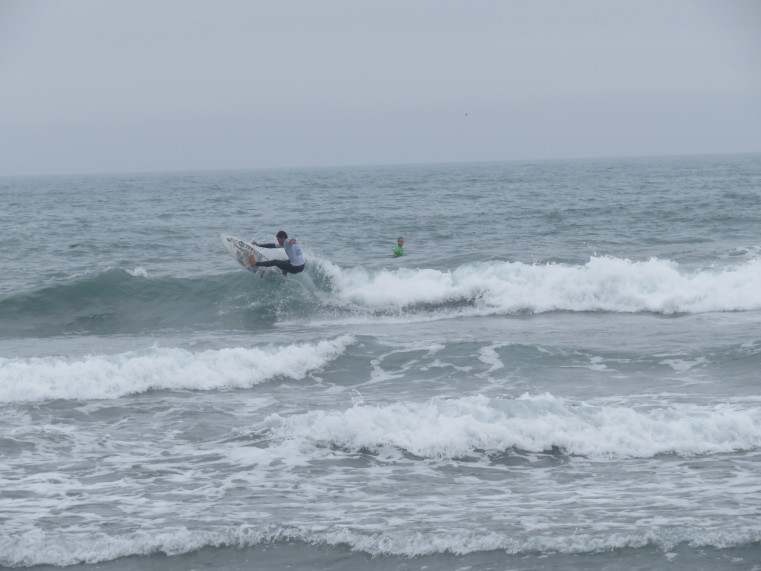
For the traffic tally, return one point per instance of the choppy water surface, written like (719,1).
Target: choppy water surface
(561,372)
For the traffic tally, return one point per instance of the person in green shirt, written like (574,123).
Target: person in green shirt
(399,250)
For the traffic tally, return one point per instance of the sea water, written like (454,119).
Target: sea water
(562,371)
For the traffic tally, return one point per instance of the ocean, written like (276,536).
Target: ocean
(562,372)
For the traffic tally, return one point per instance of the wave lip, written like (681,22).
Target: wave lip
(134,372)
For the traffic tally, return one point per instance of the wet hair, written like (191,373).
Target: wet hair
(281,234)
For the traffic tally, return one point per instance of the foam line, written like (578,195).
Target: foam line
(113,376)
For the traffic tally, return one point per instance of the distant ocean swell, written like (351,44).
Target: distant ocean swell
(118,301)
(39,548)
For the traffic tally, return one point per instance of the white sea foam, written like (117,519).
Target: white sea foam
(602,284)
(112,376)
(489,356)
(138,272)
(459,427)
(38,548)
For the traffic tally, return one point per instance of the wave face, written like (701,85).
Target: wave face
(124,302)
(119,301)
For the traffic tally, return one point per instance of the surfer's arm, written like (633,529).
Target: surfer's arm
(255,243)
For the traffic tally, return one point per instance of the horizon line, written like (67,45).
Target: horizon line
(367,165)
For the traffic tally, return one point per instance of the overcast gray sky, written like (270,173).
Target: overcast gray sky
(146,85)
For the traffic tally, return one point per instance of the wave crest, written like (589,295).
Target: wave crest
(476,426)
(134,372)
(602,284)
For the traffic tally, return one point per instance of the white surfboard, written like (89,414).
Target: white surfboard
(241,251)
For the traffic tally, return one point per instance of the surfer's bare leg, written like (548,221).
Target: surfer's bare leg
(252,260)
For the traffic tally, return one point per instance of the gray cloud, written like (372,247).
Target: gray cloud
(93,85)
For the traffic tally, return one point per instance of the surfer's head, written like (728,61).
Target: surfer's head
(281,237)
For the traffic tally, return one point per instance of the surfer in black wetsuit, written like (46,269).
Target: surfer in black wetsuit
(295,262)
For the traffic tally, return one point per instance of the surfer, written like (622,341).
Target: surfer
(399,249)
(295,262)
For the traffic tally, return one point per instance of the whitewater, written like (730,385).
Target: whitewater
(560,373)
